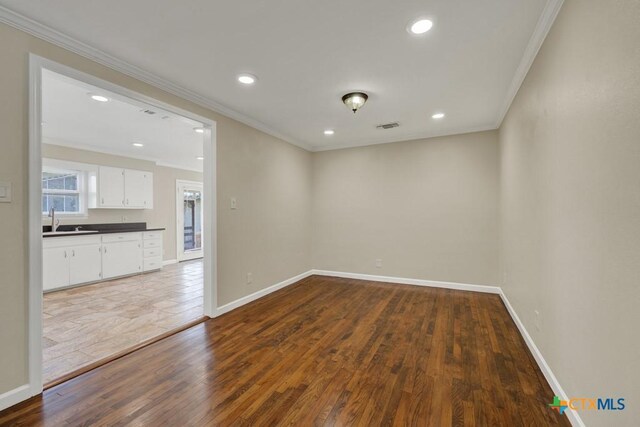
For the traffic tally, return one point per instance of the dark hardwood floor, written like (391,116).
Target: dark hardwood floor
(325,351)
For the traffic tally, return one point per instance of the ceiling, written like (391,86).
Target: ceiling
(307,54)
(72,118)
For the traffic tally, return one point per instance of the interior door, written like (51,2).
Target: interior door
(86,264)
(189,210)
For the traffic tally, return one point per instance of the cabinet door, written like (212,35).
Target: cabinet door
(55,268)
(134,188)
(121,258)
(111,194)
(148,190)
(85,264)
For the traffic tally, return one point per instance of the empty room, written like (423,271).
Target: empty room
(340,213)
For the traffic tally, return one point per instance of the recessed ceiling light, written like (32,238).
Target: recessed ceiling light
(200,158)
(329,132)
(437,116)
(247,79)
(420,26)
(98,98)
(138,144)
(199,130)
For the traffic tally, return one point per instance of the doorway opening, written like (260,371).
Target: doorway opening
(189,210)
(103,273)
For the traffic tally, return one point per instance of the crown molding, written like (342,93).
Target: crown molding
(548,17)
(23,23)
(412,137)
(60,39)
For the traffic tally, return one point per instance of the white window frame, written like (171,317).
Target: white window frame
(61,166)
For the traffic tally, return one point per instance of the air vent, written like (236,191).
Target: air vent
(149,112)
(388,125)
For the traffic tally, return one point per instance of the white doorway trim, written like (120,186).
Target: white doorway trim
(36,65)
(182,185)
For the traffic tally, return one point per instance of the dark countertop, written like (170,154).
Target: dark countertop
(132,227)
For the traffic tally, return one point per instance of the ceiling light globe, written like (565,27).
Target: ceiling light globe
(355,100)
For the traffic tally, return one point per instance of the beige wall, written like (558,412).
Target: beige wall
(268,235)
(427,208)
(163,214)
(570,164)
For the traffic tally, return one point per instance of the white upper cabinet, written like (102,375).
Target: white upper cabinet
(117,188)
(138,186)
(111,187)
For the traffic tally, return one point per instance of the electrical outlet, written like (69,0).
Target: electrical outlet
(249,278)
(378,263)
(234,203)
(537,320)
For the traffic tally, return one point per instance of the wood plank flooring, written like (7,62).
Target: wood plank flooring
(325,351)
(85,324)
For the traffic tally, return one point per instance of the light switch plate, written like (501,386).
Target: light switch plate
(5,192)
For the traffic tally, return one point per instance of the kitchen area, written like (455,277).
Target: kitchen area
(122,244)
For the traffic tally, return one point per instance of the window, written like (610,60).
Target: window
(62,190)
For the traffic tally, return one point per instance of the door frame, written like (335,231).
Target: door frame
(181,183)
(36,65)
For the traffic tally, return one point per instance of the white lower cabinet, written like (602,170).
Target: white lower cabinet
(121,254)
(152,253)
(55,268)
(70,260)
(73,260)
(85,264)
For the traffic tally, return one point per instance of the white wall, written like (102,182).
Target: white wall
(427,208)
(570,174)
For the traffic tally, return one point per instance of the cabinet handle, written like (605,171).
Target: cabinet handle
(105,249)
(73,252)
(103,200)
(65,254)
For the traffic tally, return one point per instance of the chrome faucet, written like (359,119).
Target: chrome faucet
(54,222)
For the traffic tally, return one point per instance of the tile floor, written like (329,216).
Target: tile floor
(85,324)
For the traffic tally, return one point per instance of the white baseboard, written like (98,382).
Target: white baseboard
(259,294)
(15,396)
(169,261)
(415,282)
(572,415)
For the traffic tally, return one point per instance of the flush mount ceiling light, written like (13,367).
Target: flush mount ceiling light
(419,26)
(200,158)
(247,79)
(198,130)
(329,132)
(355,100)
(437,116)
(138,144)
(98,98)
